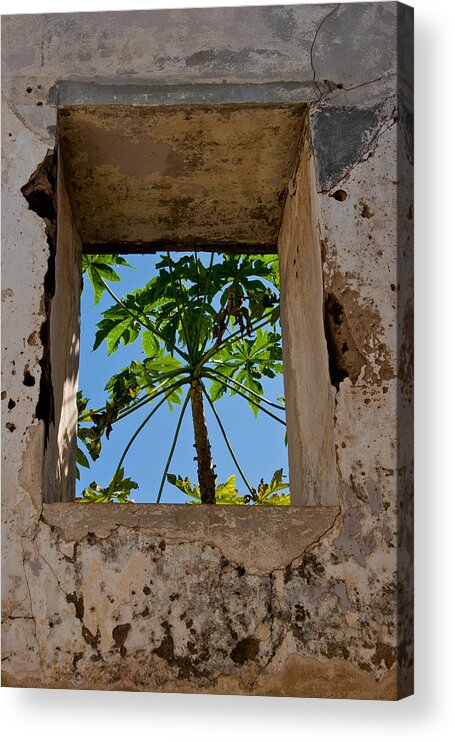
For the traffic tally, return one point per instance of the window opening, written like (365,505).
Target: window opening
(228,178)
(182,398)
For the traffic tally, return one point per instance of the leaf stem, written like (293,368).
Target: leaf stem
(197,274)
(256,325)
(267,412)
(216,347)
(179,310)
(255,394)
(174,443)
(169,391)
(144,400)
(226,439)
(166,375)
(206,288)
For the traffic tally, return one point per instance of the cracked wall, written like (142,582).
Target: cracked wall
(314,602)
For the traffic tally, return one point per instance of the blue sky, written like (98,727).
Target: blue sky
(258,442)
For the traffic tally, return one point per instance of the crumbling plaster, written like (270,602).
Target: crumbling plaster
(312,601)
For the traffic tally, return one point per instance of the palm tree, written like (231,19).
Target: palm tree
(206,330)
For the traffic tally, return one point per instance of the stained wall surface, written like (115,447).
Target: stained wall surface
(171,175)
(316,601)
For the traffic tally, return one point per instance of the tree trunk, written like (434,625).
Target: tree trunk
(205,468)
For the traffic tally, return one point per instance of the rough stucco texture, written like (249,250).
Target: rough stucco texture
(186,174)
(316,601)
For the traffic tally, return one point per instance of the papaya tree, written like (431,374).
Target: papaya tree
(206,330)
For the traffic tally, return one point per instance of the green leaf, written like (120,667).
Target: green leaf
(116,327)
(119,489)
(175,398)
(82,459)
(100,266)
(161,364)
(267,494)
(185,486)
(217,389)
(225,493)
(150,343)
(277,500)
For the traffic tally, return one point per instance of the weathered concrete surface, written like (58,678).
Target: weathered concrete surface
(63,331)
(318,46)
(263,601)
(179,174)
(367,265)
(309,394)
(145,606)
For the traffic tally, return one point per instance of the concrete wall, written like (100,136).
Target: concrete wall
(309,393)
(60,449)
(313,601)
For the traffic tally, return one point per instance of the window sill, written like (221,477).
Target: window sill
(267,538)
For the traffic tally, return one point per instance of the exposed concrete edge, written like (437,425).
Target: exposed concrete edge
(302,677)
(139,92)
(266,539)
(147,248)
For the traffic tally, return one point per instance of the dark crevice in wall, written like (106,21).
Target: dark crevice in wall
(345,359)
(40,193)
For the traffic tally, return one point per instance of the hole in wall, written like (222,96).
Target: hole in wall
(244,650)
(345,359)
(339,195)
(29,379)
(39,190)
(40,194)
(334,85)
